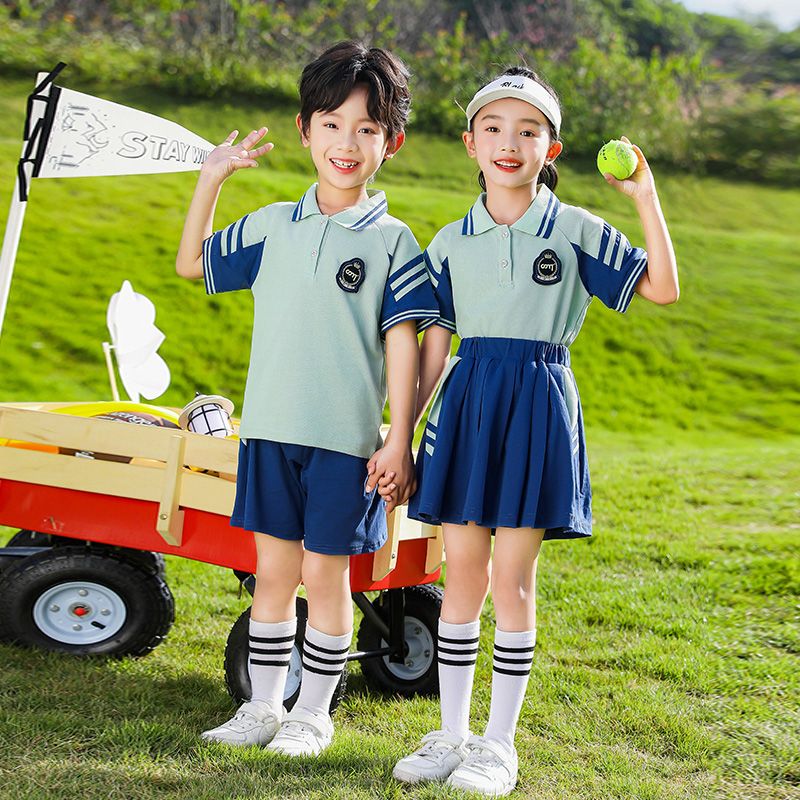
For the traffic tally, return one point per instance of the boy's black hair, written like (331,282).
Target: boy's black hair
(328,80)
(549,174)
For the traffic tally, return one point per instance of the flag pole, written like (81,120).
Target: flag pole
(39,117)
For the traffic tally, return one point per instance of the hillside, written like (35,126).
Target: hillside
(723,359)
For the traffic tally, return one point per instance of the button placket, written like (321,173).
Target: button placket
(504,265)
(315,244)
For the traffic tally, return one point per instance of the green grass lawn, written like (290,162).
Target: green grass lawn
(667,664)
(666,667)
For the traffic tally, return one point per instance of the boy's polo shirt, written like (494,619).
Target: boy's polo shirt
(533,279)
(326,290)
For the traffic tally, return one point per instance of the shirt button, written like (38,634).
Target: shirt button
(504,263)
(504,234)
(314,253)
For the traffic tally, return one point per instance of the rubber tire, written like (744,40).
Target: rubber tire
(148,600)
(151,562)
(423,602)
(237,652)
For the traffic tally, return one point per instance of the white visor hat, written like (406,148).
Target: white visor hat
(523,89)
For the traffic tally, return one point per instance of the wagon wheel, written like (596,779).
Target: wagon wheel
(144,558)
(80,601)
(237,651)
(418,672)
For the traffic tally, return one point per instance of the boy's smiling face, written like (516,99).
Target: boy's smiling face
(347,145)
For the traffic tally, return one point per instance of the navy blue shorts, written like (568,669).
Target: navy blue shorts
(307,493)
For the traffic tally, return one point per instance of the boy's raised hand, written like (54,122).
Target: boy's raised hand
(227,157)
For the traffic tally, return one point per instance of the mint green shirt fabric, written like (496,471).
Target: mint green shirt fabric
(533,279)
(326,290)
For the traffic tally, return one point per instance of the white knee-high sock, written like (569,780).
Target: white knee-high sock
(270,653)
(513,654)
(324,659)
(457,654)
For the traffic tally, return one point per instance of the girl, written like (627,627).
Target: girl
(503,451)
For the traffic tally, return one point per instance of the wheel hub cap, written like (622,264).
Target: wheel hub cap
(79,612)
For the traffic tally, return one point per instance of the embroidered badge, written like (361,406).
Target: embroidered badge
(547,268)
(351,275)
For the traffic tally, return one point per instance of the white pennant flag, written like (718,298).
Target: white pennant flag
(92,136)
(71,134)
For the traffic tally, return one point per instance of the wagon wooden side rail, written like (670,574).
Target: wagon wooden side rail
(172,468)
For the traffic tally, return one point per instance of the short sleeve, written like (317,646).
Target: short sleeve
(608,265)
(408,293)
(232,256)
(436,261)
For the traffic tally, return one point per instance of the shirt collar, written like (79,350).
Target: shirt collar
(356,218)
(538,220)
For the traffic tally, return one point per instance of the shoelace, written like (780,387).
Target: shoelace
(242,721)
(437,750)
(296,731)
(483,757)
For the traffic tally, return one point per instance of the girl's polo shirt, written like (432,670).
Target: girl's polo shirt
(533,279)
(326,290)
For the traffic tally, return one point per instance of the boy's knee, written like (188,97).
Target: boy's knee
(324,573)
(271,573)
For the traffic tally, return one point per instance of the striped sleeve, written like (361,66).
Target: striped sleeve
(408,294)
(436,260)
(232,256)
(608,265)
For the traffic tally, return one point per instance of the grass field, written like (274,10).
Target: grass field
(667,665)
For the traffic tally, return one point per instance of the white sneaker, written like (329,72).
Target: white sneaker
(255,723)
(490,768)
(303,733)
(441,752)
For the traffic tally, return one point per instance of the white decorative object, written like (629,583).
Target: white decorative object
(209,414)
(135,339)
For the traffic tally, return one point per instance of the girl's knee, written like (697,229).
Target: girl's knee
(512,594)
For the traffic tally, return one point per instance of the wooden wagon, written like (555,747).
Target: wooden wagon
(97,503)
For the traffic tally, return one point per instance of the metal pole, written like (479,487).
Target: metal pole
(16,213)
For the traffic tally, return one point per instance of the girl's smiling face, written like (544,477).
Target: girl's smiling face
(510,139)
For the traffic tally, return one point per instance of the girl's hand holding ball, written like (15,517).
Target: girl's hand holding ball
(624,166)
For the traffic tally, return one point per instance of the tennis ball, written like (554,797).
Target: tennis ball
(618,158)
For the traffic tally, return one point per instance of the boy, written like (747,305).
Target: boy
(335,280)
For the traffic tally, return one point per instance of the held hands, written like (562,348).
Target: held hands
(391,469)
(641,185)
(226,158)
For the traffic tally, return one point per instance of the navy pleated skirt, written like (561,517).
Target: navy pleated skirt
(504,445)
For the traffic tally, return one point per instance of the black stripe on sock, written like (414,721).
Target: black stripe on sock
(268,651)
(334,661)
(459,641)
(272,639)
(457,663)
(264,663)
(325,649)
(512,672)
(321,671)
(513,660)
(470,652)
(514,649)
